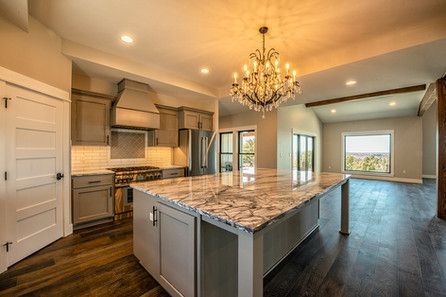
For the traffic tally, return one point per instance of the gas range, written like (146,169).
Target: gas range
(126,175)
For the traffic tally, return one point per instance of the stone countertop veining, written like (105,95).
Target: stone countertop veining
(75,173)
(247,201)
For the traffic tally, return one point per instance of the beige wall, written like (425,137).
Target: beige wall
(94,84)
(407,143)
(36,53)
(266,134)
(302,120)
(430,141)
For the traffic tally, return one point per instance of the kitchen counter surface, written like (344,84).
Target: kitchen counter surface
(245,200)
(75,173)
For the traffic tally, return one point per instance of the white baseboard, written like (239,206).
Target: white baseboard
(68,230)
(429,176)
(390,178)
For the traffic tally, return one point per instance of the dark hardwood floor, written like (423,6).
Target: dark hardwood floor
(397,248)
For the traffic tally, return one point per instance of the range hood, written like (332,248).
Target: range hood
(134,108)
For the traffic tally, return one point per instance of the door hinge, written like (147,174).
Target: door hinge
(6,175)
(7,244)
(6,101)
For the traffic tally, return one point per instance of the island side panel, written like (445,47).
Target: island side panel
(345,208)
(250,264)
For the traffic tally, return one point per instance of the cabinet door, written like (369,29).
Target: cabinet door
(145,232)
(177,259)
(92,203)
(190,119)
(167,138)
(162,138)
(168,120)
(206,122)
(90,120)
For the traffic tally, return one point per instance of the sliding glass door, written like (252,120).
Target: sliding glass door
(303,152)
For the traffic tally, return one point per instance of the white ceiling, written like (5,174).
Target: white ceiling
(182,36)
(382,44)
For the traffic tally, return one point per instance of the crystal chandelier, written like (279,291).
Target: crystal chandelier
(264,87)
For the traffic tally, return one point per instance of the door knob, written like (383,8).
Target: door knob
(59,176)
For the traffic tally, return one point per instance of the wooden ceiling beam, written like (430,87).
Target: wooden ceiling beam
(429,97)
(368,95)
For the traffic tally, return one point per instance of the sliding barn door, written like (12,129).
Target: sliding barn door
(33,158)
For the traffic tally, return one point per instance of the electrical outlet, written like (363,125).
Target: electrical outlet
(404,171)
(329,166)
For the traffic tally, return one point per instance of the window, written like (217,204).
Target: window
(226,153)
(368,152)
(246,149)
(303,152)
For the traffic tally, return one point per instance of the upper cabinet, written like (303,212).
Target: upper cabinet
(195,119)
(167,135)
(90,118)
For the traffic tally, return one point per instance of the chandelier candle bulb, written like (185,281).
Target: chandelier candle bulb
(235,77)
(287,66)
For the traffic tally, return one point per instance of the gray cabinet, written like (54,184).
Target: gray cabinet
(177,257)
(195,119)
(167,135)
(92,199)
(90,118)
(173,172)
(164,242)
(145,232)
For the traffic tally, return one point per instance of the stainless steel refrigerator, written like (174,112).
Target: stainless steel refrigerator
(197,151)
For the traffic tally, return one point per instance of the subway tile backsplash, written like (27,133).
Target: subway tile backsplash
(98,157)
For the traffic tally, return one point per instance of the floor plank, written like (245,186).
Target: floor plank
(397,248)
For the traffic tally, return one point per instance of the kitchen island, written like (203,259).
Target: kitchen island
(218,235)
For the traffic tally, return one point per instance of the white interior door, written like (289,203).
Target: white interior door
(33,157)
(3,230)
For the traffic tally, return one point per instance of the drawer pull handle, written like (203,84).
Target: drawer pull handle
(94,181)
(155,215)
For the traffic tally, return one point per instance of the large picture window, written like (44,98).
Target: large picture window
(246,150)
(226,151)
(368,152)
(303,152)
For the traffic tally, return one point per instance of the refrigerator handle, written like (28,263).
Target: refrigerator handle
(206,141)
(203,152)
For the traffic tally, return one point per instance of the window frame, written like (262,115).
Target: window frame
(239,132)
(235,131)
(369,133)
(224,153)
(299,135)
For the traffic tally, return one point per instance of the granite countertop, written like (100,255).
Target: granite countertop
(90,172)
(247,201)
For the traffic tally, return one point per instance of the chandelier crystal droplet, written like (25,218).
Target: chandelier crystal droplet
(262,87)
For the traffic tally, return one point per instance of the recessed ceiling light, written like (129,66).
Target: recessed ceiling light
(393,103)
(127,39)
(204,70)
(350,82)
(333,111)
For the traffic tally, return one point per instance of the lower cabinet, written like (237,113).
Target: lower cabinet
(164,242)
(92,200)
